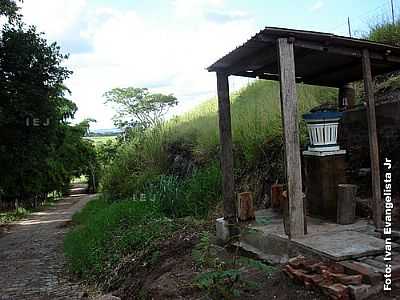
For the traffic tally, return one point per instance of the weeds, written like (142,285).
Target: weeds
(108,231)
(19,213)
(224,278)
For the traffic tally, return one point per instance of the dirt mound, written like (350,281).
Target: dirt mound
(163,273)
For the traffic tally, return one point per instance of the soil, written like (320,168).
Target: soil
(171,275)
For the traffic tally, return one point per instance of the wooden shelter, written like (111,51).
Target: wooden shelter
(314,58)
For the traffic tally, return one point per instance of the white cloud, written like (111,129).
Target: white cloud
(127,49)
(54,17)
(317,6)
(192,8)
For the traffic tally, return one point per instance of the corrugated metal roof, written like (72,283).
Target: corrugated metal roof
(310,63)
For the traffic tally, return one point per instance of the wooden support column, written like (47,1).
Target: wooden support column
(291,136)
(373,140)
(225,136)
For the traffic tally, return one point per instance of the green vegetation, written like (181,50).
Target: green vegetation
(138,108)
(40,152)
(19,213)
(106,232)
(171,171)
(385,32)
(11,216)
(187,145)
(224,278)
(101,139)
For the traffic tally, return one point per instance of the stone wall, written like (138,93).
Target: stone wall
(353,137)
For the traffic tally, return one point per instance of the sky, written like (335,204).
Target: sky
(165,45)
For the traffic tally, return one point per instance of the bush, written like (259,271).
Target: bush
(193,196)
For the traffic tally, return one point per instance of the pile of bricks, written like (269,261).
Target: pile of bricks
(336,280)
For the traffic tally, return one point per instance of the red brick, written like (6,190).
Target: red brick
(336,291)
(297,262)
(287,271)
(369,273)
(336,268)
(347,279)
(294,273)
(314,267)
(314,279)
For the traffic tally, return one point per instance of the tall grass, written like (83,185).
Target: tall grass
(256,116)
(385,31)
(256,120)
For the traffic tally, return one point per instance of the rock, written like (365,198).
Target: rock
(363,291)
(222,230)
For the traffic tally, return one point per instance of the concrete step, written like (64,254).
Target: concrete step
(258,254)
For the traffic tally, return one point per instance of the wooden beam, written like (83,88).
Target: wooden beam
(225,135)
(254,61)
(373,140)
(291,136)
(347,51)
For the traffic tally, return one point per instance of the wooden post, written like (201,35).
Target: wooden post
(373,140)
(245,207)
(291,136)
(346,204)
(225,136)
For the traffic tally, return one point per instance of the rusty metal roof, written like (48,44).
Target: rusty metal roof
(320,58)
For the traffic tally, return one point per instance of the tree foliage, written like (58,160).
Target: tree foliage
(10,9)
(137,107)
(39,150)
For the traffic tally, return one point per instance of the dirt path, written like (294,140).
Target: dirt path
(31,254)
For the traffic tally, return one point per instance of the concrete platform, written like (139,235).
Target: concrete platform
(343,245)
(325,240)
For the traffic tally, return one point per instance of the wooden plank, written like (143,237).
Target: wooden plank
(291,136)
(254,61)
(373,140)
(346,51)
(225,135)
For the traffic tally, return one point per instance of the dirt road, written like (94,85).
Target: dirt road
(31,254)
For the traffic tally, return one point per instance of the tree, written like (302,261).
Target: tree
(9,9)
(137,107)
(33,113)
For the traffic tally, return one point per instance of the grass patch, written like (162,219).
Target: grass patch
(11,216)
(22,212)
(106,232)
(102,139)
(193,196)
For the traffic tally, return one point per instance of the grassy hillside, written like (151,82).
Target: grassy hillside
(190,143)
(255,116)
(172,172)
